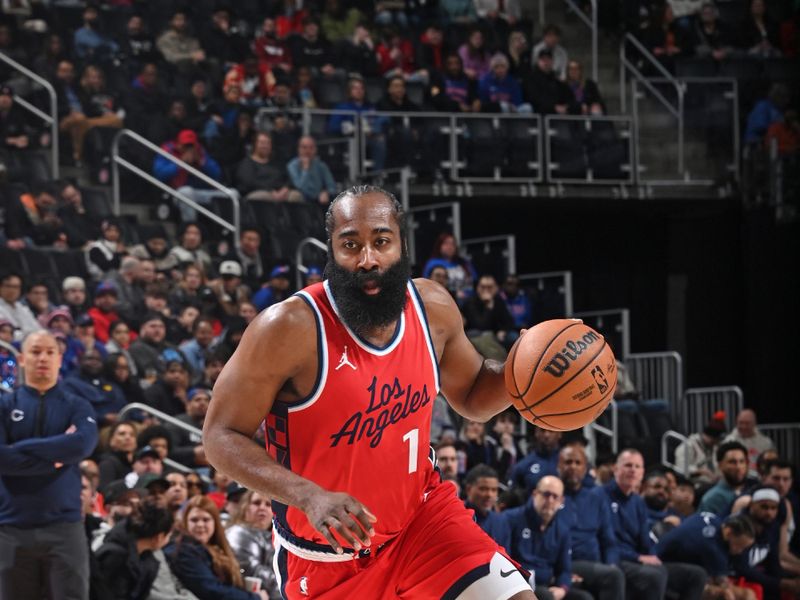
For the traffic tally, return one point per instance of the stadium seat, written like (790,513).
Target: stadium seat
(415,92)
(70,263)
(695,67)
(375,89)
(785,70)
(522,150)
(330,92)
(96,202)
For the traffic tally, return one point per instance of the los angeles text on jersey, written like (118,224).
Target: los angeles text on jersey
(381,412)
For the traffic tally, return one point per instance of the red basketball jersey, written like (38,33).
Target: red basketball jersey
(365,427)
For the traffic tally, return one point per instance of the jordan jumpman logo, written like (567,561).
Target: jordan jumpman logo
(345,361)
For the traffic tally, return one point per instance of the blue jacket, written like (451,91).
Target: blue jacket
(589,517)
(629,520)
(312,182)
(761,562)
(335,123)
(547,552)
(494,525)
(718,499)
(527,472)
(492,89)
(33,493)
(698,541)
(764,114)
(191,564)
(104,396)
(520,308)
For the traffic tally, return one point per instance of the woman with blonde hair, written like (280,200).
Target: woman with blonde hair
(250,537)
(202,559)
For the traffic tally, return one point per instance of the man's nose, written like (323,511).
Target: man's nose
(369,258)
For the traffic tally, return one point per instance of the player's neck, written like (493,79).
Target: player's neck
(380,336)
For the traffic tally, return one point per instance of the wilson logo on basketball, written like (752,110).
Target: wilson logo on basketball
(561,361)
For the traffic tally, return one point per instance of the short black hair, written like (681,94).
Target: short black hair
(777,463)
(358,191)
(727,447)
(740,524)
(153,432)
(148,520)
(480,472)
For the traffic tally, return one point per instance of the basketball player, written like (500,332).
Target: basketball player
(346,372)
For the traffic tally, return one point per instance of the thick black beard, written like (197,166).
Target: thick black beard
(656,503)
(360,312)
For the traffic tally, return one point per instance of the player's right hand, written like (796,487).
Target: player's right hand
(339,512)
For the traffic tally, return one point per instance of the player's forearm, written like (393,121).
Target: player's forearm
(246,462)
(488,395)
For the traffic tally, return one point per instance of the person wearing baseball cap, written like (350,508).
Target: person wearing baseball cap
(229,288)
(104,311)
(73,292)
(313,275)
(275,290)
(695,457)
(187,148)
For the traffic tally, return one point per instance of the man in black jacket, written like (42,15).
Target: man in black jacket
(44,434)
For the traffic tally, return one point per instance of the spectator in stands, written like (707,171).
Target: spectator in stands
(41,529)
(551,40)
(519,55)
(89,44)
(342,123)
(9,367)
(396,54)
(711,39)
(149,346)
(747,434)
(155,248)
(53,52)
(80,225)
(12,309)
(474,55)
(517,302)
(275,290)
(73,292)
(681,499)
(248,311)
(543,89)
(785,134)
(431,50)
(309,175)
(145,98)
(271,50)
(129,280)
(89,383)
(439,275)
(303,88)
(106,253)
(481,486)
(655,493)
(709,542)
(250,537)
(499,91)
(541,460)
(311,50)
(645,575)
(761,564)
(586,99)
(228,288)
(137,44)
(177,494)
(766,112)
(452,90)
(158,438)
(195,349)
(85,336)
(223,40)
(664,39)
(100,109)
(595,556)
(540,541)
(178,46)
(732,461)
(338,20)
(201,557)
(120,369)
(507,448)
(457,13)
(127,557)
(460,272)
(16,137)
(189,250)
(189,289)
(37,299)
(486,315)
(695,458)
(250,257)
(103,313)
(758,34)
(447,462)
(187,148)
(188,447)
(255,78)
(477,447)
(260,178)
(32,219)
(357,53)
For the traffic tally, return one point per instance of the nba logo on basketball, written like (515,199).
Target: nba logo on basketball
(600,379)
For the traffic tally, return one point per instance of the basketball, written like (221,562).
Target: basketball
(561,374)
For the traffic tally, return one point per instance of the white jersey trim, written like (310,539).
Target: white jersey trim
(398,337)
(423,321)
(322,353)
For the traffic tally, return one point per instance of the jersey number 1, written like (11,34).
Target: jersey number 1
(412,437)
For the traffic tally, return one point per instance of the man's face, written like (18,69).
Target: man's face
(306,148)
(487,288)
(197,407)
(397,89)
(204,333)
(434,36)
(146,272)
(93,78)
(38,296)
(187,316)
(764,512)
(439,275)
(545,64)
(148,464)
(551,40)
(250,242)
(511,286)
(41,358)
(447,460)
(179,22)
(500,70)
(682,495)
(356,91)
(75,296)
(154,331)
(311,31)
(780,479)
(149,75)
(11,289)
(707,15)
(268,26)
(281,95)
(263,147)
(483,493)
(160,445)
(106,302)
(65,72)
(45,202)
(135,25)
(629,470)
(157,495)
(734,467)
(572,466)
(547,498)
(177,493)
(368,269)
(746,424)
(546,440)
(191,238)
(91,363)
(738,543)
(6,101)
(654,492)
(452,66)
(176,376)
(87,496)
(155,303)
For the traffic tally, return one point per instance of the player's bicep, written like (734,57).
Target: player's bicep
(460,366)
(271,352)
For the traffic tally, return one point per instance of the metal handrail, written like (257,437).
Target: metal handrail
(117,160)
(567,276)
(510,239)
(298,257)
(51,119)
(679,88)
(613,433)
(674,435)
(590,22)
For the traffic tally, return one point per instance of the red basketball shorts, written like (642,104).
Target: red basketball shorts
(441,552)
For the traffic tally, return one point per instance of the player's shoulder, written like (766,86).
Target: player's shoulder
(292,316)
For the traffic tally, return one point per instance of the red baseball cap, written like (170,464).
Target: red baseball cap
(186,137)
